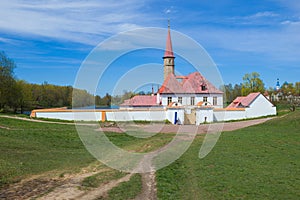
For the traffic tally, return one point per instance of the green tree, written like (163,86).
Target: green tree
(25,100)
(8,91)
(252,83)
(82,98)
(288,89)
(297,88)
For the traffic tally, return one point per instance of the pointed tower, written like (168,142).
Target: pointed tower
(168,56)
(277,85)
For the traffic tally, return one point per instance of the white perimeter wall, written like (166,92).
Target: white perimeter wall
(222,115)
(136,115)
(110,116)
(80,116)
(171,115)
(204,115)
(260,107)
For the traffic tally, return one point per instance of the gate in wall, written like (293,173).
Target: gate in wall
(190,116)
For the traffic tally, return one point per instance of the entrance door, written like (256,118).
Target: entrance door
(190,117)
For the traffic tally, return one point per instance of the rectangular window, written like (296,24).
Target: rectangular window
(169,100)
(215,101)
(204,99)
(203,88)
(180,100)
(192,101)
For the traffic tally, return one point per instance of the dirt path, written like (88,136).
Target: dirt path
(149,190)
(201,129)
(47,122)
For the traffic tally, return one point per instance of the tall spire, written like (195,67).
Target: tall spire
(169,50)
(168,56)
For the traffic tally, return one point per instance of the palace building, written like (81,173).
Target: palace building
(188,91)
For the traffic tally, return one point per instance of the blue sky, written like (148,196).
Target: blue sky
(50,39)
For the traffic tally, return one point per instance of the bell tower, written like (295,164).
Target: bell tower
(168,56)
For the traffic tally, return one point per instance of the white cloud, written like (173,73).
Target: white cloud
(279,44)
(264,14)
(288,22)
(6,40)
(170,10)
(80,21)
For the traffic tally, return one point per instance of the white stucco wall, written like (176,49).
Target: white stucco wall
(170,114)
(223,115)
(260,107)
(204,115)
(80,116)
(123,115)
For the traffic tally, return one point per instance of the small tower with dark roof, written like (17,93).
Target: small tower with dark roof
(168,56)
(277,88)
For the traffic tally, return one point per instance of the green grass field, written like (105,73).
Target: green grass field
(29,148)
(258,162)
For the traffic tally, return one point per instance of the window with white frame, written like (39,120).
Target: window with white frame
(192,101)
(215,101)
(180,100)
(169,100)
(204,99)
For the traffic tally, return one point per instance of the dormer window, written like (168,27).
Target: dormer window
(203,87)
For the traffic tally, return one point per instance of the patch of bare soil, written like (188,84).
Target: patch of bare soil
(29,188)
(4,127)
(67,186)
(149,190)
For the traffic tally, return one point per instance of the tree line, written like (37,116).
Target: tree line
(253,83)
(19,95)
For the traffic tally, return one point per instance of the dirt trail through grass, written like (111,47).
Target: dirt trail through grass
(203,128)
(44,121)
(68,186)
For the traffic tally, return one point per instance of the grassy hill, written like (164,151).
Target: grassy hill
(258,162)
(29,148)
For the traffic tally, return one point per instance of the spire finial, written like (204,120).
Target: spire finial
(169,23)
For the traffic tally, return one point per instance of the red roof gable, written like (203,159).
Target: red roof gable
(244,101)
(140,100)
(193,83)
(171,85)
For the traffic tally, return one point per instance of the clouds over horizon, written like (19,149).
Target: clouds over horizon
(89,22)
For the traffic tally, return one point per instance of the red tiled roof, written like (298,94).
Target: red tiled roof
(140,100)
(190,84)
(244,101)
(171,85)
